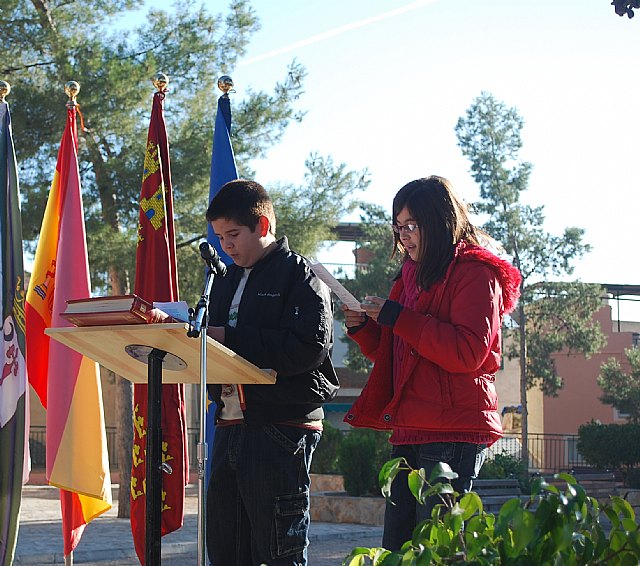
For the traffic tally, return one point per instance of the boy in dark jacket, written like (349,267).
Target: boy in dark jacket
(273,311)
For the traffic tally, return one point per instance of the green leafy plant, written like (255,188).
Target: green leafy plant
(553,526)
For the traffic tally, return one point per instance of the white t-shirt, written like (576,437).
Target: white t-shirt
(232,393)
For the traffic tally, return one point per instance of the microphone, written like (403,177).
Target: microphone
(211,257)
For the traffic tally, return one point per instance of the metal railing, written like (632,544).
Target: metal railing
(548,453)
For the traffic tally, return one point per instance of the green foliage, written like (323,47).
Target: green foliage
(559,319)
(611,446)
(114,64)
(325,456)
(360,456)
(374,278)
(306,214)
(555,526)
(626,7)
(622,389)
(505,465)
(552,317)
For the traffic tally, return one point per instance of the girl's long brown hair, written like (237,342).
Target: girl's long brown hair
(443,221)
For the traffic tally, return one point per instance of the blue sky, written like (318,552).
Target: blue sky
(387,81)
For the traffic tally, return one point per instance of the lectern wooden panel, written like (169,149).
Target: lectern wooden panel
(108,345)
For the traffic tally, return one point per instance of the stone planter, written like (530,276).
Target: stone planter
(326,482)
(331,504)
(338,507)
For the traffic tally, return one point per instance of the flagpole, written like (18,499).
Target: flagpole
(225,84)
(154,464)
(71,89)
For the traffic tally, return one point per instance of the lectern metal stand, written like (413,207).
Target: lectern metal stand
(203,450)
(153,510)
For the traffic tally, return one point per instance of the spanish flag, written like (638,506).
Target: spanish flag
(67,383)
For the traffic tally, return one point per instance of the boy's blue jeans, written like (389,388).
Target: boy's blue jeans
(258,495)
(400,519)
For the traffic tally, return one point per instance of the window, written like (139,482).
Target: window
(619,416)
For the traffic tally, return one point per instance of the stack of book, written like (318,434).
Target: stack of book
(106,311)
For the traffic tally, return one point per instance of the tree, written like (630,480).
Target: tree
(85,41)
(626,7)
(622,389)
(376,276)
(550,317)
(307,213)
(114,66)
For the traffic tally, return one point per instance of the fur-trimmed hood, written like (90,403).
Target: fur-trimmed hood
(506,273)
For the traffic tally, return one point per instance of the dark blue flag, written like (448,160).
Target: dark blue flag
(223,162)
(223,170)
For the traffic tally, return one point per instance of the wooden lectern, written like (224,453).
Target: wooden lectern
(157,354)
(124,350)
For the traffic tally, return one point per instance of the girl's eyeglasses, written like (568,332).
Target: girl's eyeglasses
(406,229)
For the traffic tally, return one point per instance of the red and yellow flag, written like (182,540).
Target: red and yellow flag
(67,383)
(157,280)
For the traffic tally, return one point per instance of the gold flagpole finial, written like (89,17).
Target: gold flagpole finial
(71,89)
(225,84)
(5,89)
(160,81)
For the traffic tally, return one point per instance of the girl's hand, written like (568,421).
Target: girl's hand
(372,306)
(352,318)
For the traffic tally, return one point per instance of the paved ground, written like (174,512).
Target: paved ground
(107,540)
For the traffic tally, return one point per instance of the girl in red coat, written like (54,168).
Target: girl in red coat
(436,346)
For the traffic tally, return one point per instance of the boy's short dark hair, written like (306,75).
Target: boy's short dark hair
(243,202)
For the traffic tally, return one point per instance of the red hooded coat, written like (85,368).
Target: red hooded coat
(453,351)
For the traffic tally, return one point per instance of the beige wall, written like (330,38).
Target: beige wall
(508,387)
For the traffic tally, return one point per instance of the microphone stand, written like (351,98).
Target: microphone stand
(198,324)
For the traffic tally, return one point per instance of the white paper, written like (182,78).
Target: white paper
(345,296)
(178,310)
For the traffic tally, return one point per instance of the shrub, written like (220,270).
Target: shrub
(612,446)
(360,456)
(325,456)
(564,528)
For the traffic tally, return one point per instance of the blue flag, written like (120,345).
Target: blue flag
(223,170)
(223,162)
(13,376)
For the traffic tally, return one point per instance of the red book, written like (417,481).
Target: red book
(106,311)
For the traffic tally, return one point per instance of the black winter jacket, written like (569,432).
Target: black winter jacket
(285,323)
